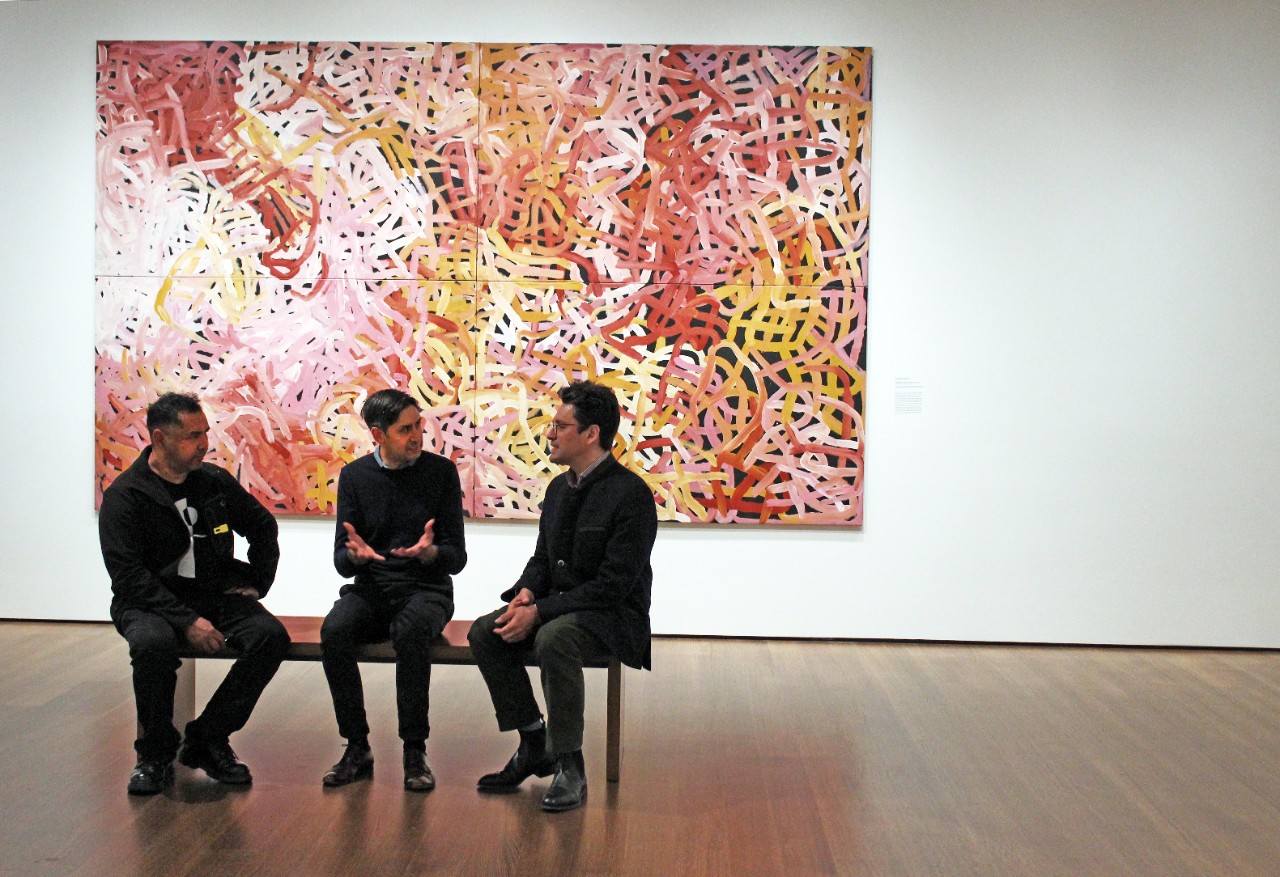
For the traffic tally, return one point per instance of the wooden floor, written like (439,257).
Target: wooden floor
(742,758)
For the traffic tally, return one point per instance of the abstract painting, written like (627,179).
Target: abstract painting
(284,228)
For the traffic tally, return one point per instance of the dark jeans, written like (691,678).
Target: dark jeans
(412,623)
(255,634)
(560,647)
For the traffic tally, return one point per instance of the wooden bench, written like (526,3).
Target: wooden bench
(451,648)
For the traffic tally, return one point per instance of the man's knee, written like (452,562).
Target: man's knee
(265,635)
(418,624)
(481,635)
(337,636)
(279,636)
(151,640)
(557,643)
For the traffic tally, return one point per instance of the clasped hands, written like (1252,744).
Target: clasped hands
(519,619)
(424,549)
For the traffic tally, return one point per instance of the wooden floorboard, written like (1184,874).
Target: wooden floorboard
(742,758)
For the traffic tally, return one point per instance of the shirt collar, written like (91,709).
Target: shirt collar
(576,480)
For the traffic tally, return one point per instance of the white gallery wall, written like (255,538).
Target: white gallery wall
(1074,330)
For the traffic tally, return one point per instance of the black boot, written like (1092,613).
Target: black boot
(216,758)
(569,788)
(417,773)
(356,762)
(531,759)
(150,777)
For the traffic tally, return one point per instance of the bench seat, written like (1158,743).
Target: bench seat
(451,648)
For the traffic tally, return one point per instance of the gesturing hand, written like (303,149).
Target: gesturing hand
(357,549)
(424,549)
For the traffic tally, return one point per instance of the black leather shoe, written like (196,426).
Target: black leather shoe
(417,773)
(531,759)
(150,777)
(217,759)
(356,762)
(569,789)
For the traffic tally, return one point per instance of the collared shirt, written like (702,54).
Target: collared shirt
(574,479)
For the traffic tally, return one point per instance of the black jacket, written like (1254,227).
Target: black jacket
(143,538)
(592,558)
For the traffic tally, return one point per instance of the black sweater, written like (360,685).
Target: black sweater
(389,508)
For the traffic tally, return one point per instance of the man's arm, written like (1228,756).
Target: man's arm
(121,532)
(450,537)
(250,519)
(521,615)
(535,576)
(348,512)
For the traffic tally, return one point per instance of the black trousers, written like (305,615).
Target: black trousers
(255,634)
(560,647)
(412,623)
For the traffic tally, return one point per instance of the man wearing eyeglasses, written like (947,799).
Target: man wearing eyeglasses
(167,529)
(584,594)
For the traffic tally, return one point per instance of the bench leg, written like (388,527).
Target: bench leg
(613,724)
(184,696)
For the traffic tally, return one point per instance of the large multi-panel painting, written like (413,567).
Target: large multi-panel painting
(284,228)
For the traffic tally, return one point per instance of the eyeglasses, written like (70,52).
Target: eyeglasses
(556,426)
